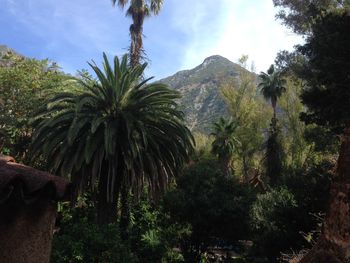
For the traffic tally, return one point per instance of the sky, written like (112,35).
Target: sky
(74,32)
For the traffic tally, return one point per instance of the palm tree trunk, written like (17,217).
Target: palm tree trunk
(226,165)
(136,45)
(106,211)
(333,245)
(274,104)
(124,210)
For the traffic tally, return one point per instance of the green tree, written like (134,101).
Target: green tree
(138,10)
(216,208)
(274,153)
(280,218)
(25,84)
(224,143)
(203,146)
(326,96)
(250,111)
(301,15)
(116,132)
(297,149)
(80,239)
(272,86)
(326,72)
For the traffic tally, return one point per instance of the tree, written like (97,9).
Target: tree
(249,110)
(116,131)
(298,150)
(326,71)
(216,208)
(326,96)
(224,143)
(301,15)
(274,153)
(272,86)
(138,10)
(24,86)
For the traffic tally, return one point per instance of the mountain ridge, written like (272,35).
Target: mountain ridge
(200,89)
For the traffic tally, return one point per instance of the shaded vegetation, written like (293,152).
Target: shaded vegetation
(146,188)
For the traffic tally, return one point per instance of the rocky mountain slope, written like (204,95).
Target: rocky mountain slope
(4,51)
(200,88)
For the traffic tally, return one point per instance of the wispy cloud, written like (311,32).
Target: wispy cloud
(186,32)
(239,27)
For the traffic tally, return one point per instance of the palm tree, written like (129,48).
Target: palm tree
(224,143)
(138,10)
(272,86)
(115,131)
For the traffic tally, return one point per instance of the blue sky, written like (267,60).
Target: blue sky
(72,32)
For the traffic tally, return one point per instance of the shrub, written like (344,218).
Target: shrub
(80,240)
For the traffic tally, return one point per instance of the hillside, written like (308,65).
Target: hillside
(200,89)
(4,51)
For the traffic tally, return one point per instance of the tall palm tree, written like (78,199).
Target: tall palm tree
(224,143)
(115,131)
(138,10)
(272,86)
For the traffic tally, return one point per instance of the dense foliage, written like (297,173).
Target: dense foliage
(215,206)
(81,240)
(326,71)
(302,15)
(253,189)
(24,86)
(284,219)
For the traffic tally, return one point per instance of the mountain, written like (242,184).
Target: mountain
(4,52)
(5,49)
(200,89)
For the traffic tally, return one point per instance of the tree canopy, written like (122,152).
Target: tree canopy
(326,71)
(301,15)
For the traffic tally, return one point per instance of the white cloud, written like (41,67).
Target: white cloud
(240,27)
(181,36)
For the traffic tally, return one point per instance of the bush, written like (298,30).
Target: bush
(282,217)
(273,220)
(215,206)
(153,237)
(80,240)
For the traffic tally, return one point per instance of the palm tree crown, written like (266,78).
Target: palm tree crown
(272,86)
(113,128)
(225,142)
(138,10)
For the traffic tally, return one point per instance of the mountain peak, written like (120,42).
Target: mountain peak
(214,59)
(5,49)
(201,101)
